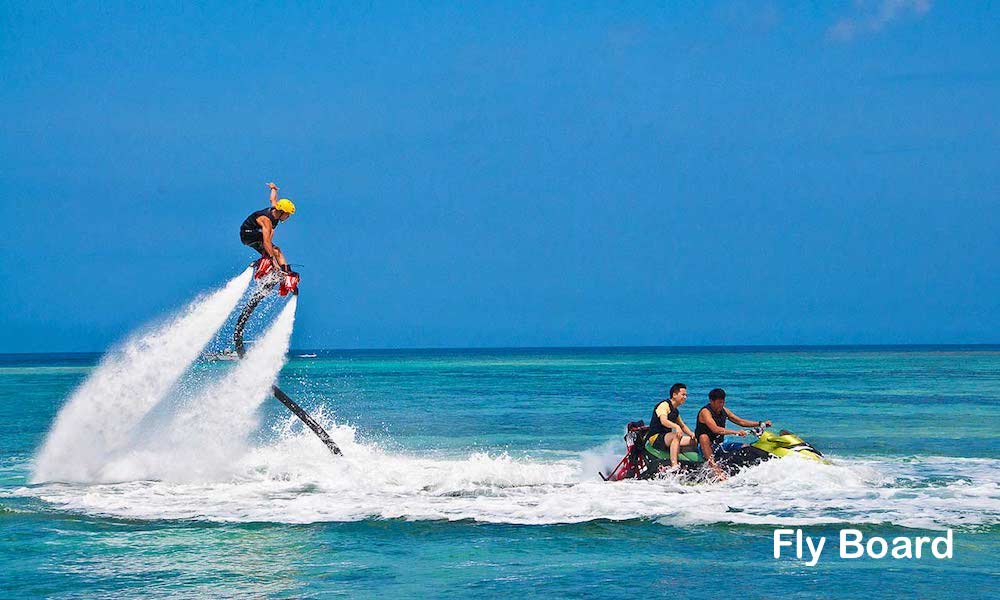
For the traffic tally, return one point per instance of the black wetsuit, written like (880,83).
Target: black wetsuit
(730,456)
(713,438)
(251,233)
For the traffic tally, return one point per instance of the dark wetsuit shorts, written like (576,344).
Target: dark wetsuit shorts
(660,441)
(254,239)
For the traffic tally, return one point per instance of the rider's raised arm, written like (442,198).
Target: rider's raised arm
(274,194)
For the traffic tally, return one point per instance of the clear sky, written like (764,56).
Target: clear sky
(507,174)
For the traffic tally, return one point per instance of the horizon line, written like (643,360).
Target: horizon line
(611,347)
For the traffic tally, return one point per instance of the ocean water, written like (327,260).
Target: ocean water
(470,472)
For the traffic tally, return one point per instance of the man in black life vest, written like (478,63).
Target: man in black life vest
(666,428)
(257,230)
(710,431)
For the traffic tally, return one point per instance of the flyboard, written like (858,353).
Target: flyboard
(288,284)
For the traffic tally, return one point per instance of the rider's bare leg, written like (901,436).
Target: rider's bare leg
(282,263)
(706,451)
(675,441)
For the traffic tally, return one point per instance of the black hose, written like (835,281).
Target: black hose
(282,397)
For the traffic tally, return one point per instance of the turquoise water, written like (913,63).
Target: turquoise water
(472,472)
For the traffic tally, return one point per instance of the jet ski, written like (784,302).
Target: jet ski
(644,461)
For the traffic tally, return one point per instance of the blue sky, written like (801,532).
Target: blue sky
(509,174)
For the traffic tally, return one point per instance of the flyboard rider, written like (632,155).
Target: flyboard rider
(257,231)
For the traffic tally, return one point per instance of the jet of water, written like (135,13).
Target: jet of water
(206,438)
(129,382)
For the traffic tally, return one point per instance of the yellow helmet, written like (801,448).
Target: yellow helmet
(285,205)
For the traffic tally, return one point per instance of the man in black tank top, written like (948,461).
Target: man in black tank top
(667,431)
(711,431)
(257,230)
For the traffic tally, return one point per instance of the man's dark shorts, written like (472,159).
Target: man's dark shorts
(254,239)
(660,442)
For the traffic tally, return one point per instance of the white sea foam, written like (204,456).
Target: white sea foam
(294,479)
(203,440)
(130,380)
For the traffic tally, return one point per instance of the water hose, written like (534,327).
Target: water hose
(280,395)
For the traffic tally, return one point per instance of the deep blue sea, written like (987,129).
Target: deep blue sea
(474,472)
